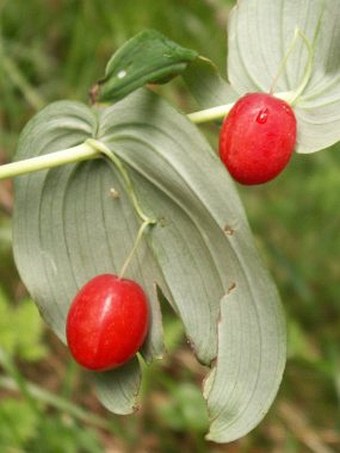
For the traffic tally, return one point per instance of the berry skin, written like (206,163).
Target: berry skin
(107,322)
(257,138)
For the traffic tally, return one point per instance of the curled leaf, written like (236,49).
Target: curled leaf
(148,57)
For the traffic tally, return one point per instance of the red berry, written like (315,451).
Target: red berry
(107,322)
(257,138)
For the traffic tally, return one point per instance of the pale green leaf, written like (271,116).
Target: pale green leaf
(251,342)
(118,388)
(206,84)
(261,33)
(205,250)
(182,183)
(67,228)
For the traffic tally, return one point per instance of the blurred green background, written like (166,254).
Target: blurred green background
(55,49)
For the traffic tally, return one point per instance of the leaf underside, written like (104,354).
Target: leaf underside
(206,84)
(260,34)
(68,228)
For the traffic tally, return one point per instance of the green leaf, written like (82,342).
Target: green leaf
(67,229)
(75,229)
(118,389)
(148,57)
(21,330)
(185,409)
(18,424)
(260,35)
(29,331)
(251,342)
(59,433)
(300,345)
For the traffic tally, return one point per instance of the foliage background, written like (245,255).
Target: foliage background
(55,49)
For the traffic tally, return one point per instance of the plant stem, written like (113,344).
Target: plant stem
(141,230)
(308,68)
(131,191)
(77,153)
(128,183)
(92,149)
(285,58)
(219,112)
(309,64)
(214,113)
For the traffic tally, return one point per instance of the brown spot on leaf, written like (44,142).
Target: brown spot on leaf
(231,288)
(228,230)
(114,193)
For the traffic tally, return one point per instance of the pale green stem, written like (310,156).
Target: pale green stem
(219,112)
(141,230)
(308,68)
(92,149)
(130,190)
(214,113)
(77,153)
(283,63)
(128,183)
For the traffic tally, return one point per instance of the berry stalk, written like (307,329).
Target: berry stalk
(141,230)
(219,112)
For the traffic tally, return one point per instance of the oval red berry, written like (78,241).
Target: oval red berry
(107,322)
(257,138)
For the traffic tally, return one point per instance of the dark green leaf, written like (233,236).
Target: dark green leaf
(148,57)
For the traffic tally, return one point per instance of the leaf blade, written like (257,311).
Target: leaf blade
(200,248)
(222,229)
(58,242)
(118,389)
(240,370)
(206,84)
(148,57)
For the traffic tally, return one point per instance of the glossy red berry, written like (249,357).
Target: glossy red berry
(257,138)
(107,322)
